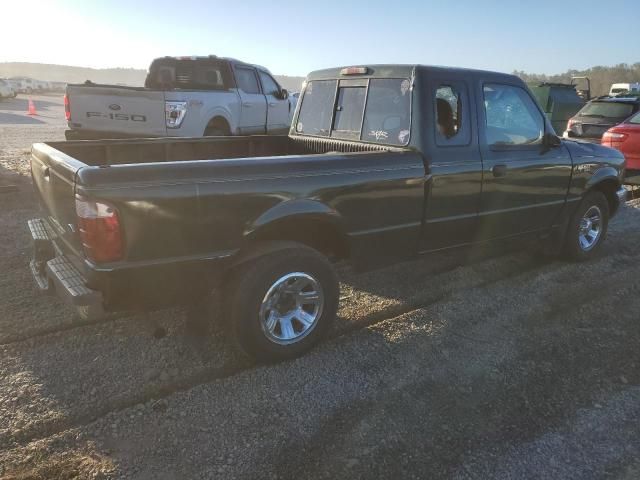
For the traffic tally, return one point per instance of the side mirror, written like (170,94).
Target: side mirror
(284,94)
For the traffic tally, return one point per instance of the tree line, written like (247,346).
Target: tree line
(601,77)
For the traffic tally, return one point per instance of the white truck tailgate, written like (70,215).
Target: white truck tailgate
(134,111)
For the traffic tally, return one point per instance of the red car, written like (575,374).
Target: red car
(626,138)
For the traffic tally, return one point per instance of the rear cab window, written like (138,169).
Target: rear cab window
(189,74)
(375,110)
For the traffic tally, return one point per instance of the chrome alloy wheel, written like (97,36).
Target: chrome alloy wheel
(291,308)
(590,228)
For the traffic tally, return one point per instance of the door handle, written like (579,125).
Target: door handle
(246,104)
(499,170)
(46,173)
(272,104)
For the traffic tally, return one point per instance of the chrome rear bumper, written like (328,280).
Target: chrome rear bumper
(54,273)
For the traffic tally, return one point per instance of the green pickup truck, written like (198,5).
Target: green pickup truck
(382,163)
(559,101)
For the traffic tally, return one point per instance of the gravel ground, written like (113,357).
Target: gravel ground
(470,365)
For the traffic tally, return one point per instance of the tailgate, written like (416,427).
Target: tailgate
(135,111)
(54,174)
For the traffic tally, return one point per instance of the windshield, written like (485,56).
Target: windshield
(376,110)
(607,110)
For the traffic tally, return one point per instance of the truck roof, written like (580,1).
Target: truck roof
(407,70)
(211,57)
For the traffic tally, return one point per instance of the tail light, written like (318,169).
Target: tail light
(67,108)
(174,113)
(100,232)
(613,139)
(570,124)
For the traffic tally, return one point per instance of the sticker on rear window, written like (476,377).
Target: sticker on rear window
(378,134)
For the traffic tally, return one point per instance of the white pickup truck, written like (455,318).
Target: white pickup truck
(182,97)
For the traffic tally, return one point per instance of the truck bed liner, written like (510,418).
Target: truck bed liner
(118,152)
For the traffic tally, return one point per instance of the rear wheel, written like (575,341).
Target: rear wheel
(215,132)
(282,303)
(588,227)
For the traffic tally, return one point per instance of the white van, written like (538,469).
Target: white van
(623,88)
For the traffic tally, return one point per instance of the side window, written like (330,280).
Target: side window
(451,114)
(512,118)
(269,85)
(247,81)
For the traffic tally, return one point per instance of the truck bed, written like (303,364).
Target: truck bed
(186,204)
(137,151)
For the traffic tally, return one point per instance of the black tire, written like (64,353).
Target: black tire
(249,285)
(596,202)
(215,131)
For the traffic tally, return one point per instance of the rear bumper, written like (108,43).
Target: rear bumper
(131,286)
(100,135)
(597,140)
(54,273)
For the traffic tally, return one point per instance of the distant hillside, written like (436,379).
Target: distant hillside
(601,77)
(127,76)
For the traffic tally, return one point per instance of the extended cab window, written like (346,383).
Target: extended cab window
(316,110)
(247,81)
(511,116)
(447,111)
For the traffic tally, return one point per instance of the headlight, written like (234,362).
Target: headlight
(174,113)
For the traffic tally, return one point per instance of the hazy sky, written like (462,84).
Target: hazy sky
(295,37)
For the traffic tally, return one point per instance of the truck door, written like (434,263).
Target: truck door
(253,111)
(454,177)
(525,182)
(278,108)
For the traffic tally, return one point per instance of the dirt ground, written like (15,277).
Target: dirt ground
(472,365)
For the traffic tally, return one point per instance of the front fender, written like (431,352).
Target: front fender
(605,173)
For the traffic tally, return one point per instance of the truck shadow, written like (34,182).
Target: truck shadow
(86,372)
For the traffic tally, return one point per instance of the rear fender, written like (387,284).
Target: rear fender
(313,217)
(294,209)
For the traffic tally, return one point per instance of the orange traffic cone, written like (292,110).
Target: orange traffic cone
(32,108)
